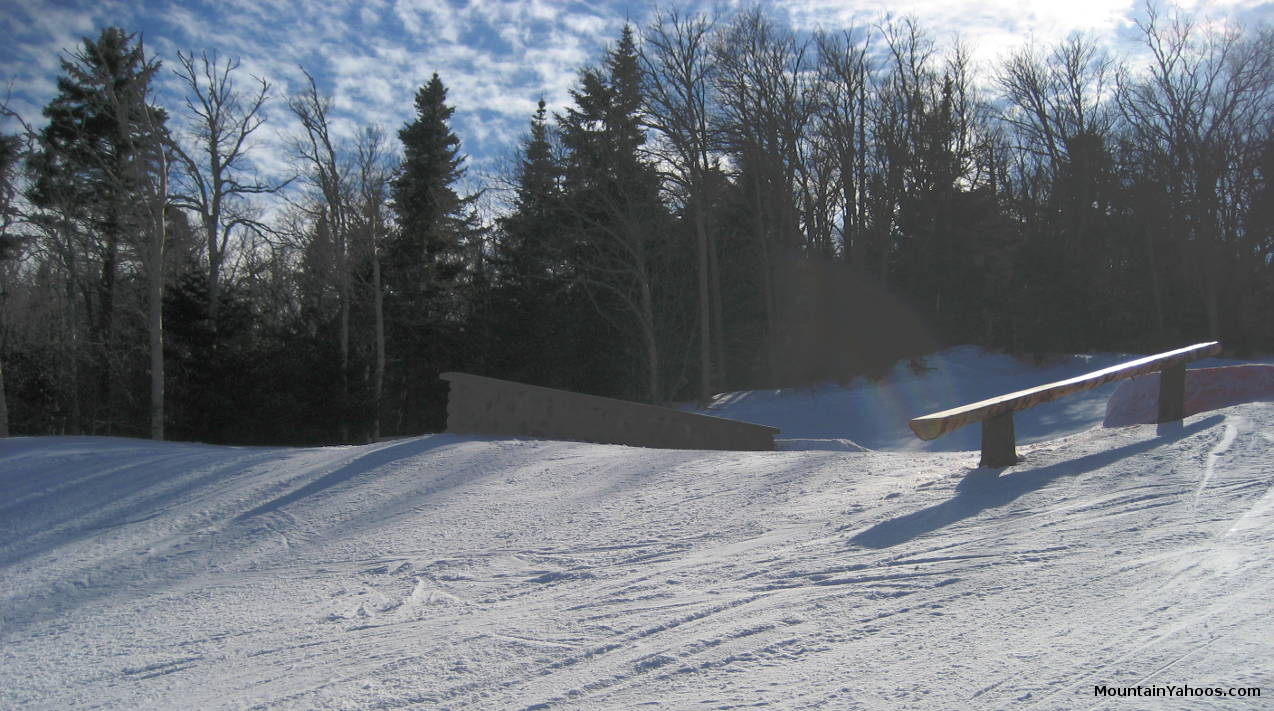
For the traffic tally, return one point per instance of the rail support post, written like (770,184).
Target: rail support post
(1172,393)
(999,446)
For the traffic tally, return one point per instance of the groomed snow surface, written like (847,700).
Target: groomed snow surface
(447,572)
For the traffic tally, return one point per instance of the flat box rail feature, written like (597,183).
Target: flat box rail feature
(482,405)
(996,414)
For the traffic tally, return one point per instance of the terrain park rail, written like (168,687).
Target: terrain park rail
(999,448)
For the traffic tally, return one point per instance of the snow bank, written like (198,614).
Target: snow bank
(1135,401)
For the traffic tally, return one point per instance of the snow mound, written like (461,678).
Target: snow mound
(1136,401)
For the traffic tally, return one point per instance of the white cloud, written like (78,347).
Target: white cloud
(430,19)
(988,27)
(588,25)
(1225,6)
(496,56)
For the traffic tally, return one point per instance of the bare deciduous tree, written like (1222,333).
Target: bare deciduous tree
(1204,107)
(765,108)
(326,171)
(844,77)
(10,154)
(370,228)
(223,121)
(678,63)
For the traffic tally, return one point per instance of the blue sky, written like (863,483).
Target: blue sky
(496,57)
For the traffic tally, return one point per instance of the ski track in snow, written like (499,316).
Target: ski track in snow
(446,572)
(1227,439)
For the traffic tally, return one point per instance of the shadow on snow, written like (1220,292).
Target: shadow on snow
(984,489)
(359,466)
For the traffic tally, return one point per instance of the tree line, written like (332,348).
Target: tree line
(723,204)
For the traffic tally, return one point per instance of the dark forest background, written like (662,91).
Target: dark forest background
(723,205)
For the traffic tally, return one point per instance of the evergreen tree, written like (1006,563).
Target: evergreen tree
(432,217)
(524,254)
(537,315)
(616,217)
(602,132)
(427,261)
(99,156)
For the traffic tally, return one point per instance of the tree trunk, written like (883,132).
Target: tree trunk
(73,338)
(718,317)
(4,407)
(1211,303)
(155,297)
(215,257)
(648,335)
(767,282)
(343,289)
(342,265)
(860,180)
(378,375)
(705,323)
(156,328)
(1156,294)
(104,339)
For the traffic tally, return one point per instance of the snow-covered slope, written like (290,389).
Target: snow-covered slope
(445,572)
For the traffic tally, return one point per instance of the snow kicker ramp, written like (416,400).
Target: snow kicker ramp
(481,405)
(458,573)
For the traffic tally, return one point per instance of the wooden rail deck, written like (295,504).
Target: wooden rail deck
(999,448)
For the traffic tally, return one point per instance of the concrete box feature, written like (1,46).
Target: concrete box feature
(481,405)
